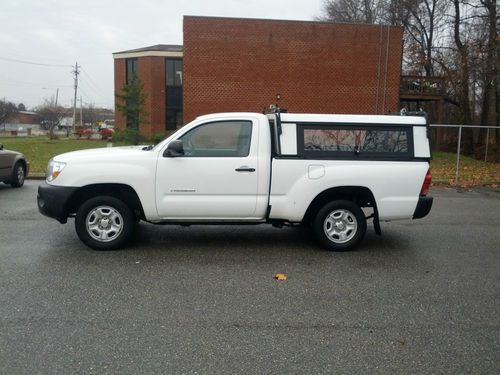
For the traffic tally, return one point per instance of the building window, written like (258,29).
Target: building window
(174,72)
(130,70)
(173,98)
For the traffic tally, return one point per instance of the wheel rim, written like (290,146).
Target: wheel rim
(104,223)
(340,226)
(20,175)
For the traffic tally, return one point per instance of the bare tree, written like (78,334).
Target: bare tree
(423,20)
(464,76)
(50,116)
(89,114)
(390,12)
(491,94)
(463,64)
(457,39)
(345,11)
(7,109)
(424,29)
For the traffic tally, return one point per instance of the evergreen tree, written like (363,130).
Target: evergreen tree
(131,104)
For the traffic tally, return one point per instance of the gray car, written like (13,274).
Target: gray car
(13,167)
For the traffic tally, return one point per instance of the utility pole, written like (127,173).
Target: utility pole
(57,96)
(81,111)
(76,71)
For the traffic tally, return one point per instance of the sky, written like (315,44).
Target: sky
(59,33)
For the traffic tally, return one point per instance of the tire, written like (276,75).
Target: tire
(104,223)
(18,175)
(340,225)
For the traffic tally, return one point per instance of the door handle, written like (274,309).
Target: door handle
(245,169)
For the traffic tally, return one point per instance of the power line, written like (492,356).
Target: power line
(41,85)
(91,80)
(35,63)
(84,92)
(93,88)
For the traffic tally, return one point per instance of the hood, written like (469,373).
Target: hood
(104,154)
(2,148)
(12,152)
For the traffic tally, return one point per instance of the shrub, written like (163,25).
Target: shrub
(157,138)
(131,136)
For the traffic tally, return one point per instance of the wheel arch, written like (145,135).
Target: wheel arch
(23,162)
(360,195)
(124,192)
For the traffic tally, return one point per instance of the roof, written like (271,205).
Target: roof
(276,20)
(155,48)
(345,118)
(327,118)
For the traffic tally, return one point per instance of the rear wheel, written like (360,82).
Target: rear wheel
(340,225)
(18,175)
(104,223)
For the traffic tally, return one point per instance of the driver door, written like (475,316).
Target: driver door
(216,178)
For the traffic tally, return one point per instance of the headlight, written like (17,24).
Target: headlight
(54,169)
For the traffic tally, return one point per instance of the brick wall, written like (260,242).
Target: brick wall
(241,64)
(120,121)
(152,75)
(24,118)
(151,72)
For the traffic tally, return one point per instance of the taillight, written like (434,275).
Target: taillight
(427,184)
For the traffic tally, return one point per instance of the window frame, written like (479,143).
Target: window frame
(251,122)
(131,69)
(173,93)
(352,155)
(175,78)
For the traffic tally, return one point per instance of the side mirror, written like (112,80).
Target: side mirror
(174,149)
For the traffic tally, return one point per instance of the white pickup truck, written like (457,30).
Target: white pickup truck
(330,172)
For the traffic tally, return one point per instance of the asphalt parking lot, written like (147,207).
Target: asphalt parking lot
(422,298)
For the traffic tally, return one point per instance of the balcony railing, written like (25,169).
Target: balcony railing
(419,86)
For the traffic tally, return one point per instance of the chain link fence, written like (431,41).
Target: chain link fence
(459,142)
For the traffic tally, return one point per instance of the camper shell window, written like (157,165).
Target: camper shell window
(355,141)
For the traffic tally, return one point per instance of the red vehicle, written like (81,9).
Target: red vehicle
(106,133)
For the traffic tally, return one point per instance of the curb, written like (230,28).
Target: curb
(36,176)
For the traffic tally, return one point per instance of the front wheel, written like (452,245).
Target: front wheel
(18,175)
(340,225)
(104,223)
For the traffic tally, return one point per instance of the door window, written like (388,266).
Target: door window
(218,139)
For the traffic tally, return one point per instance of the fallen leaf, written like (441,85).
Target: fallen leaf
(280,277)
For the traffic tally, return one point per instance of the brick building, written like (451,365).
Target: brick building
(234,64)
(22,121)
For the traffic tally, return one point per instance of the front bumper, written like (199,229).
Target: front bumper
(53,200)
(424,206)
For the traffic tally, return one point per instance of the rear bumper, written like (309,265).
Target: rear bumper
(52,201)
(424,206)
